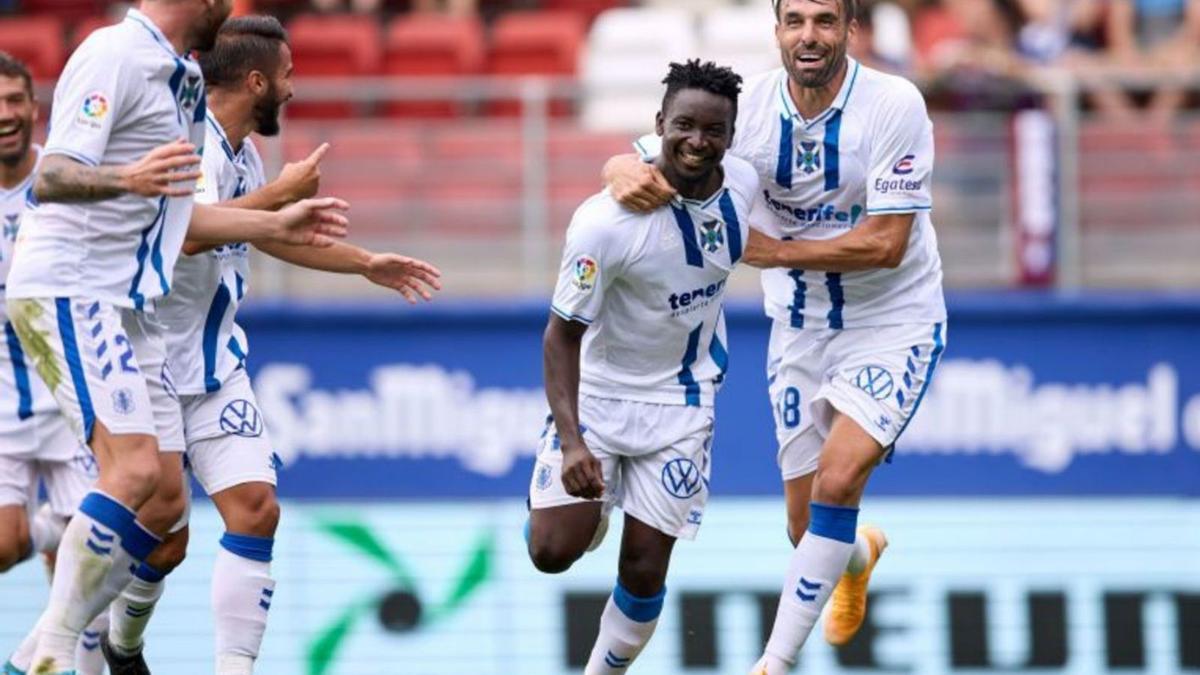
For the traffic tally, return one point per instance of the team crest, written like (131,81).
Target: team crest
(808,157)
(544,475)
(189,93)
(123,401)
(12,222)
(712,235)
(585,273)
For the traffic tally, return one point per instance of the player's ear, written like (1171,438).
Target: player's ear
(257,82)
(659,123)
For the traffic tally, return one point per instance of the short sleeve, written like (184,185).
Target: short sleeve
(591,261)
(89,99)
(901,160)
(208,186)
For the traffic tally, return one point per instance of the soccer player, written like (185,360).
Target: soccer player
(845,155)
(95,256)
(36,444)
(248,78)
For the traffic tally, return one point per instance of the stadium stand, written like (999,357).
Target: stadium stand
(36,40)
(740,37)
(432,45)
(334,46)
(536,43)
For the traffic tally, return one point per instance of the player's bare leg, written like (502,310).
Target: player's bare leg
(99,546)
(632,611)
(242,586)
(15,544)
(847,459)
(132,609)
(560,535)
(798,493)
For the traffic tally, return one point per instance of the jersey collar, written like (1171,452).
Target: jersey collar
(137,17)
(787,107)
(215,125)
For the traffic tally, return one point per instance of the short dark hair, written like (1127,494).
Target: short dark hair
(708,76)
(11,66)
(244,44)
(849,9)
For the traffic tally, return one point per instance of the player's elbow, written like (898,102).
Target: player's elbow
(889,253)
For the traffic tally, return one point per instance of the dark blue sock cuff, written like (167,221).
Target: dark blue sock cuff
(148,573)
(642,610)
(833,522)
(248,547)
(114,515)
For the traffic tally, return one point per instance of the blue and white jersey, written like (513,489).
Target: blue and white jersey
(204,342)
(22,393)
(869,153)
(651,288)
(123,93)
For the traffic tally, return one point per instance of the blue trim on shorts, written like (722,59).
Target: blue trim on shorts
(212,326)
(248,547)
(66,330)
(641,610)
(939,345)
(20,373)
(833,522)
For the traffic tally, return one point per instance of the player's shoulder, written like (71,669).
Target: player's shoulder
(885,90)
(740,175)
(761,88)
(601,218)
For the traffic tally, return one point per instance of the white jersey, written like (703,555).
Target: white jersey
(651,288)
(869,153)
(22,393)
(204,344)
(123,93)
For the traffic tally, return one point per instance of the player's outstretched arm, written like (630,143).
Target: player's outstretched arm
(412,278)
(165,171)
(581,472)
(878,243)
(636,185)
(309,222)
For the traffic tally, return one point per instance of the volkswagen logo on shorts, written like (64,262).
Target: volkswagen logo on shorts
(682,478)
(876,381)
(241,418)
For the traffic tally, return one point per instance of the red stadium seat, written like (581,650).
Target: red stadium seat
(536,43)
(64,10)
(38,41)
(589,9)
(88,26)
(432,45)
(333,46)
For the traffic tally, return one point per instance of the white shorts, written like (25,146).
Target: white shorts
(656,461)
(66,481)
(227,440)
(876,376)
(102,363)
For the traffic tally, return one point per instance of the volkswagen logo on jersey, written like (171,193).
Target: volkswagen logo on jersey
(876,381)
(241,418)
(712,235)
(682,478)
(123,401)
(808,157)
(904,166)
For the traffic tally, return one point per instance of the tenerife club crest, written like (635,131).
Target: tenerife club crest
(189,93)
(712,235)
(808,157)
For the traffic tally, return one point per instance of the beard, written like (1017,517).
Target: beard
(17,156)
(266,113)
(810,79)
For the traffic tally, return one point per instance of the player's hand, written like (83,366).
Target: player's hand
(638,186)
(163,171)
(301,180)
(582,474)
(312,222)
(412,278)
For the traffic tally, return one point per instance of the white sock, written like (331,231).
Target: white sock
(45,531)
(242,592)
(860,556)
(815,568)
(625,627)
(88,658)
(131,611)
(22,658)
(100,548)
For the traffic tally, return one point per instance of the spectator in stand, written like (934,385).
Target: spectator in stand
(968,54)
(884,37)
(451,7)
(1152,36)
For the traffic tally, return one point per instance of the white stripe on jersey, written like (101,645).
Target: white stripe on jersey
(22,393)
(123,93)
(204,343)
(651,287)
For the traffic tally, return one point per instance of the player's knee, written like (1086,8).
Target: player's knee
(642,575)
(258,513)
(170,553)
(551,555)
(13,549)
(838,484)
(137,467)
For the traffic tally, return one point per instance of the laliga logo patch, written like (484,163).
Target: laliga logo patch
(586,270)
(241,418)
(712,235)
(681,478)
(876,381)
(904,166)
(95,106)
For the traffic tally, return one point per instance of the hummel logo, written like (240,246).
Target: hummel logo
(805,584)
